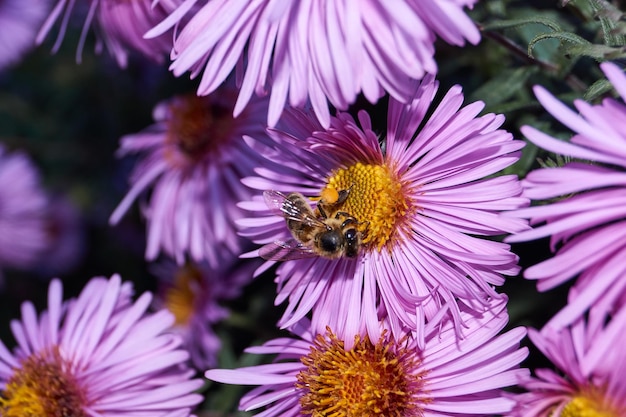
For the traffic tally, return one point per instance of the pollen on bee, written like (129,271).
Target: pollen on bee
(329,195)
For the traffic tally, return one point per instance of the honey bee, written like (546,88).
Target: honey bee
(322,231)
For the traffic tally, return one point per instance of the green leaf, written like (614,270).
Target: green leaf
(598,52)
(561,36)
(515,23)
(512,106)
(597,89)
(609,18)
(505,85)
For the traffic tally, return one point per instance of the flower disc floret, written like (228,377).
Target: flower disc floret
(198,126)
(367,380)
(42,386)
(180,298)
(588,405)
(376,199)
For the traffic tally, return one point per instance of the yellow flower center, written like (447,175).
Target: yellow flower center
(365,381)
(42,386)
(180,298)
(377,199)
(592,403)
(198,126)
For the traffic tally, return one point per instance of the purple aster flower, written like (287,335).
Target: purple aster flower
(192,160)
(99,354)
(419,206)
(19,21)
(585,219)
(318,375)
(192,293)
(121,24)
(589,379)
(23,212)
(317,51)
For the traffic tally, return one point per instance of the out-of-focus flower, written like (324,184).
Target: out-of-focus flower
(192,161)
(23,212)
(317,51)
(591,367)
(19,22)
(317,375)
(422,203)
(192,293)
(585,219)
(121,24)
(99,354)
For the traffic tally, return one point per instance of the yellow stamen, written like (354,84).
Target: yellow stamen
(592,403)
(43,386)
(180,298)
(198,126)
(377,199)
(368,380)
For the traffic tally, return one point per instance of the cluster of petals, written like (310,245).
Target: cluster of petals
(584,216)
(456,377)
(19,22)
(315,51)
(189,171)
(121,25)
(590,366)
(23,212)
(437,260)
(119,358)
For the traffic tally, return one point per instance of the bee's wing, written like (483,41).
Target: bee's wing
(280,205)
(285,251)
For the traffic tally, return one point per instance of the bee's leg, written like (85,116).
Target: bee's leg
(341,214)
(349,220)
(343,196)
(320,207)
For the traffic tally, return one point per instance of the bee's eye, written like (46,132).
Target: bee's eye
(352,243)
(350,235)
(330,241)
